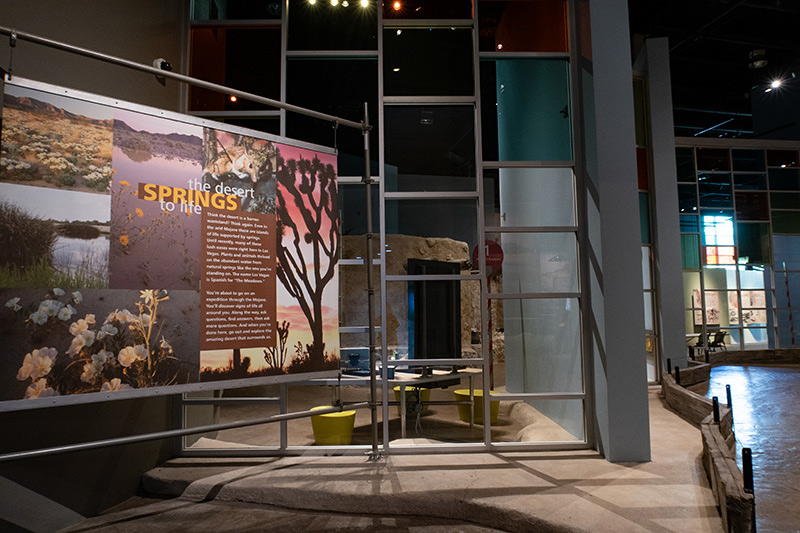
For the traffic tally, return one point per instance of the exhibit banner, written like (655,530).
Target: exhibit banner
(143,249)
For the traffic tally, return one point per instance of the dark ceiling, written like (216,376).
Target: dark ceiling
(710,42)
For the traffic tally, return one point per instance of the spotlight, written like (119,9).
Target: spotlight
(312,2)
(364,3)
(345,3)
(233,98)
(397,6)
(758,59)
(334,2)
(775,84)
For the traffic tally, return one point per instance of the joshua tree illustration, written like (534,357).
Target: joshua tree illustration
(308,263)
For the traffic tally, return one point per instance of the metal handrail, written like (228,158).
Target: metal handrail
(144,437)
(15,34)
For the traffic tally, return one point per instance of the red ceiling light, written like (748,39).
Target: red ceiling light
(397,6)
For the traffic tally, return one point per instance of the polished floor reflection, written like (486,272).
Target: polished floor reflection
(766,417)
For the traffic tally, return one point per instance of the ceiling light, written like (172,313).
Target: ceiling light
(775,84)
(758,59)
(364,3)
(312,2)
(345,3)
(397,6)
(233,98)
(334,2)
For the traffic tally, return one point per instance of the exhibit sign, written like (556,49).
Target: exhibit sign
(143,249)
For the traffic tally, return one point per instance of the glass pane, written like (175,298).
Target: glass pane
(689,223)
(753,242)
(433,319)
(684,159)
(690,251)
(785,222)
(754,299)
(786,249)
(523,26)
(640,116)
(453,219)
(784,200)
(428,62)
(756,339)
(713,159)
(648,311)
(325,26)
(719,278)
(353,294)
(750,182)
(526,197)
(538,262)
(693,322)
(554,421)
(266,124)
(646,267)
(542,345)
(717,228)
(525,106)
(644,217)
(430,148)
(782,158)
(642,174)
(353,209)
(213,10)
(691,287)
(337,87)
(217,56)
(717,310)
(687,198)
(784,179)
(730,337)
(752,206)
(751,278)
(427,9)
(715,190)
(748,160)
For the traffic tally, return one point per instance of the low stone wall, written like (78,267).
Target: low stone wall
(737,507)
(754,357)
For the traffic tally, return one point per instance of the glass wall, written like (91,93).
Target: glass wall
(475,211)
(737,204)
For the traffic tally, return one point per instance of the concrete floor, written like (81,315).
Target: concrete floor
(766,419)
(520,491)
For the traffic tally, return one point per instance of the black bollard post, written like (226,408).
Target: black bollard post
(715,409)
(706,351)
(669,365)
(747,470)
(728,392)
(678,375)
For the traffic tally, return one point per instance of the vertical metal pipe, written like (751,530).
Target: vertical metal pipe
(728,394)
(678,375)
(669,365)
(715,408)
(374,454)
(747,470)
(284,408)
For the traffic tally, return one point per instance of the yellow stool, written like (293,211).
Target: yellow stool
(424,398)
(462,395)
(333,429)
